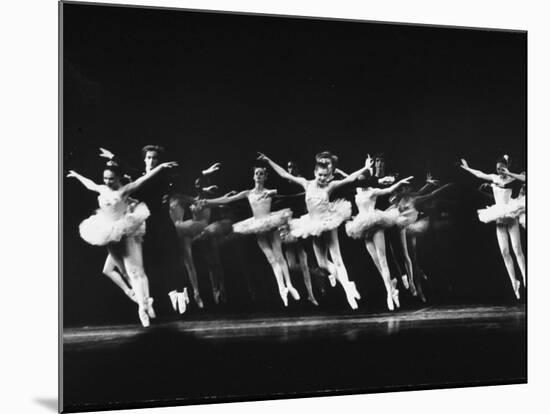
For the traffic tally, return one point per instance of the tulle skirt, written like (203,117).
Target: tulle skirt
(265,224)
(101,229)
(314,225)
(365,223)
(503,213)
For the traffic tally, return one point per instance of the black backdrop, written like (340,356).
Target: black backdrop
(219,87)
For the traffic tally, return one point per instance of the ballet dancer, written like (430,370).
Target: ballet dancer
(505,213)
(119,224)
(323,219)
(265,225)
(369,225)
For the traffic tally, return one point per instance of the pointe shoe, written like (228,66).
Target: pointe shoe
(186,296)
(198,300)
(516,288)
(405,281)
(313,301)
(332,280)
(150,310)
(284,296)
(294,293)
(354,290)
(216,294)
(413,289)
(173,295)
(351,293)
(182,302)
(395,297)
(143,317)
(389,302)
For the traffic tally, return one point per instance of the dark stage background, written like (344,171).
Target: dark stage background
(219,87)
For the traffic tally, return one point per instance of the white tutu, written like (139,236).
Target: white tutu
(101,228)
(366,222)
(503,213)
(216,230)
(319,222)
(272,221)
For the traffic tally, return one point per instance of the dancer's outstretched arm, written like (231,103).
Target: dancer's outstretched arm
(351,177)
(225,199)
(86,182)
(476,173)
(520,177)
(392,188)
(419,201)
(135,185)
(282,172)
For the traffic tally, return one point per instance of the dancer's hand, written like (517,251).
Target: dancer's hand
(210,188)
(387,180)
(430,179)
(231,193)
(369,162)
(485,186)
(213,168)
(505,171)
(72,174)
(170,164)
(463,163)
(406,180)
(262,157)
(270,193)
(105,153)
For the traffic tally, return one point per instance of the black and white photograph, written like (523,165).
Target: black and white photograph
(258,207)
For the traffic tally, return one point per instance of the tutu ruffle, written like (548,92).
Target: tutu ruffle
(503,213)
(190,228)
(316,224)
(100,228)
(265,224)
(366,222)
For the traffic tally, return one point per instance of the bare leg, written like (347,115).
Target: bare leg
(133,263)
(321,254)
(265,245)
(502,237)
(342,274)
(187,255)
(110,270)
(380,244)
(408,261)
(302,257)
(513,231)
(369,244)
(276,244)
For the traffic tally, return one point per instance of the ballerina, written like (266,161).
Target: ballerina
(119,224)
(369,225)
(520,199)
(323,220)
(505,213)
(189,230)
(264,224)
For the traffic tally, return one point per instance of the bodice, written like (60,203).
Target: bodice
(317,199)
(260,203)
(112,203)
(365,200)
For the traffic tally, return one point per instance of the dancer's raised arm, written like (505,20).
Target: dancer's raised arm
(351,177)
(520,177)
(282,172)
(392,188)
(479,174)
(135,185)
(86,182)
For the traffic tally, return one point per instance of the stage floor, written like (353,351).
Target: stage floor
(212,359)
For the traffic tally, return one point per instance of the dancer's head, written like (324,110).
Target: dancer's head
(327,158)
(292,168)
(151,156)
(260,174)
(379,165)
(322,173)
(111,176)
(502,163)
